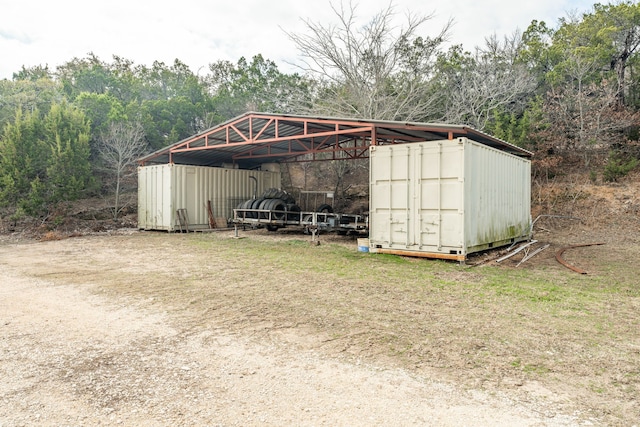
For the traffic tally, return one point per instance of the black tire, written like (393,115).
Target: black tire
(265,205)
(246,205)
(255,205)
(273,205)
(325,208)
(276,193)
(294,209)
(279,205)
(269,193)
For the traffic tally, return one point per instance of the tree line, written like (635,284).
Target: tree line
(570,93)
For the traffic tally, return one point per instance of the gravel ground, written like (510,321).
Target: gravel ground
(71,357)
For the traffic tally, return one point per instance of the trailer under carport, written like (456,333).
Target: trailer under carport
(250,140)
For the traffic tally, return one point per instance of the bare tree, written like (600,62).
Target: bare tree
(119,148)
(570,101)
(374,72)
(490,79)
(587,118)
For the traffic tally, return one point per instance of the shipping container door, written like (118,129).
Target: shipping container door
(439,192)
(429,196)
(416,195)
(390,189)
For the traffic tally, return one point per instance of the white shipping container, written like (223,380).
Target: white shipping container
(163,189)
(447,198)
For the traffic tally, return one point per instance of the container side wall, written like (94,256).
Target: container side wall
(498,195)
(164,189)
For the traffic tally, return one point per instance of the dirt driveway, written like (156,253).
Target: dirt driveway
(74,353)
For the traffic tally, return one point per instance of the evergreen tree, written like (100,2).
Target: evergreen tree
(68,169)
(23,160)
(44,160)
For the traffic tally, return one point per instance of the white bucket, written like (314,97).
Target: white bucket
(363,245)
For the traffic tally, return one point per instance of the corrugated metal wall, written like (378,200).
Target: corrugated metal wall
(154,198)
(449,197)
(163,189)
(498,197)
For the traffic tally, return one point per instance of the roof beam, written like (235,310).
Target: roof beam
(182,148)
(254,134)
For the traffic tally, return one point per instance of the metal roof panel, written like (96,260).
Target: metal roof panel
(253,138)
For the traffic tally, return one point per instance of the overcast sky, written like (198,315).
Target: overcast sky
(199,32)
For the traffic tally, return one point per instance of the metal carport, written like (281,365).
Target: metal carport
(255,138)
(481,201)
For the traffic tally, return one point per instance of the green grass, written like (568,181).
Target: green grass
(536,288)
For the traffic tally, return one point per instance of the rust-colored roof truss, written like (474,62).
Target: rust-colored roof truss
(254,138)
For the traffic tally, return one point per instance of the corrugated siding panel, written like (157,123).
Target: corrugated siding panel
(497,194)
(163,189)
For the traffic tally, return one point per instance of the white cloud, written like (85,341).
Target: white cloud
(200,32)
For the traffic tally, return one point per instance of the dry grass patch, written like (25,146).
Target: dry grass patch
(539,328)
